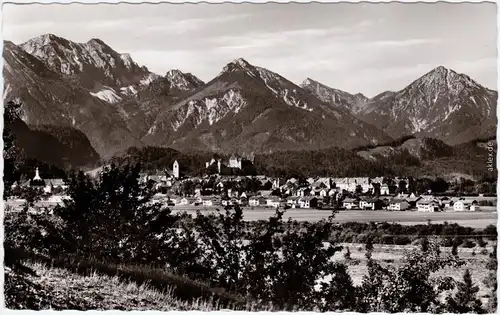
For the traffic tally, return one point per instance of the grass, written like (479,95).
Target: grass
(154,277)
(478,219)
(102,292)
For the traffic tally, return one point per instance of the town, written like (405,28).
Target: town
(180,192)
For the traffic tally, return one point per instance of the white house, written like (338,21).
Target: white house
(273,201)
(183,201)
(384,189)
(308,202)
(302,192)
(350,203)
(256,201)
(323,193)
(465,205)
(425,205)
(398,205)
(293,202)
(367,204)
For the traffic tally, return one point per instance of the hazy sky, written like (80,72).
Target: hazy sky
(368,48)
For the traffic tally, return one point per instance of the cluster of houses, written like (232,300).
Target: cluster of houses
(48,185)
(361,193)
(402,202)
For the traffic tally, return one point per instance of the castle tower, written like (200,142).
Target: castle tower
(175,169)
(37,175)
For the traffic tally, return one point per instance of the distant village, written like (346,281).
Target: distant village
(254,192)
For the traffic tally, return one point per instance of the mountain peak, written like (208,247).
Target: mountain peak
(96,41)
(309,81)
(174,72)
(183,81)
(40,41)
(238,64)
(444,77)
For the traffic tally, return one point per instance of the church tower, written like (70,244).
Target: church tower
(37,175)
(218,167)
(175,169)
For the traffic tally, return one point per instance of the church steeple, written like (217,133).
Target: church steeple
(37,175)
(175,169)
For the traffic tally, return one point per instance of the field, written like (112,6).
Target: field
(63,289)
(478,219)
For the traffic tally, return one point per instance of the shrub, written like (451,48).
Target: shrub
(408,287)
(402,240)
(469,244)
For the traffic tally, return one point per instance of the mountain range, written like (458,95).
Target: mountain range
(115,103)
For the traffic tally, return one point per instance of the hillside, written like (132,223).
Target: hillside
(251,109)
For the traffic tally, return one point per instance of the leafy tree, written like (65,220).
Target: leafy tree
(402,186)
(111,218)
(359,189)
(439,185)
(408,287)
(491,281)
(11,151)
(465,299)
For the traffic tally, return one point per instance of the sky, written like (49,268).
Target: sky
(359,48)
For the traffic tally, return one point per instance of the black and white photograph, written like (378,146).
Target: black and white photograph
(293,157)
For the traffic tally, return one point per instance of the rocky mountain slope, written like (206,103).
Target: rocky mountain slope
(92,65)
(441,104)
(90,87)
(49,99)
(338,98)
(251,109)
(118,104)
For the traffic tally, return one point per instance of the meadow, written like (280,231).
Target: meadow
(477,219)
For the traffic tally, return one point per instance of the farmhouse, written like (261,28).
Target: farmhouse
(293,201)
(371,203)
(54,184)
(425,205)
(302,192)
(208,201)
(273,201)
(384,189)
(322,192)
(257,201)
(350,203)
(398,205)
(308,202)
(465,205)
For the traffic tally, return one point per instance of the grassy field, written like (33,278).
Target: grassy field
(95,291)
(478,219)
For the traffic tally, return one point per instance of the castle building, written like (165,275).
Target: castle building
(207,164)
(234,162)
(175,169)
